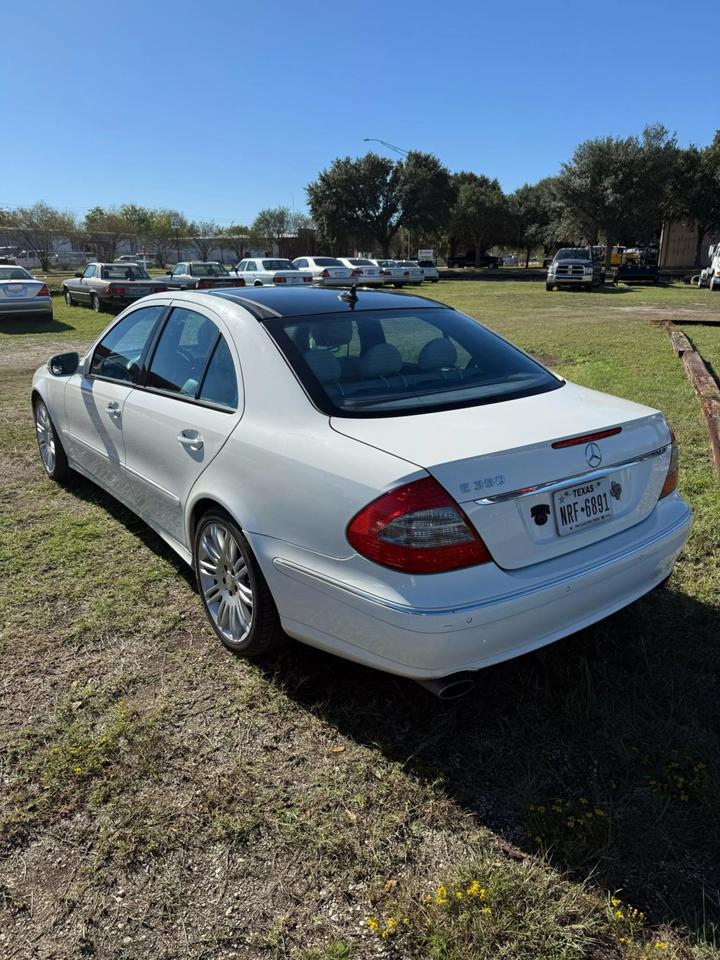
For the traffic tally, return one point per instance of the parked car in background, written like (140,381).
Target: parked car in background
(365,272)
(393,274)
(430,271)
(326,271)
(268,271)
(105,286)
(200,275)
(468,259)
(22,295)
(380,476)
(574,267)
(143,259)
(415,275)
(710,275)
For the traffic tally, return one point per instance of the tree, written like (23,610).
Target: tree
(617,186)
(40,227)
(204,235)
(102,230)
(299,221)
(164,239)
(481,212)
(271,224)
(694,192)
(369,199)
(537,216)
(238,239)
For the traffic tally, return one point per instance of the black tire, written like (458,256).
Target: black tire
(549,287)
(257,283)
(95,303)
(265,632)
(68,299)
(52,453)
(435,280)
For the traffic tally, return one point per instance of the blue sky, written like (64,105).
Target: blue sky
(220,109)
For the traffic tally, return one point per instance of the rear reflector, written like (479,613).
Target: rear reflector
(43,291)
(586,438)
(417,528)
(278,279)
(671,479)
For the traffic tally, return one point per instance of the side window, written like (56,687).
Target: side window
(118,354)
(182,353)
(89,271)
(301,264)
(220,383)
(242,266)
(178,270)
(252,265)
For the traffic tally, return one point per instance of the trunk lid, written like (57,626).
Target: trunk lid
(526,498)
(19,289)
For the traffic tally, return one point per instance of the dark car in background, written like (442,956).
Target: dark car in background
(110,286)
(468,259)
(575,267)
(200,275)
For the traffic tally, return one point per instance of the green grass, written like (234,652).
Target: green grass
(159,797)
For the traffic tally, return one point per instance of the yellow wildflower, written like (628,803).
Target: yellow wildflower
(661,945)
(615,902)
(373,923)
(474,889)
(486,910)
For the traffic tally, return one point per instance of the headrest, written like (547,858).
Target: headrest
(324,365)
(382,360)
(334,333)
(437,354)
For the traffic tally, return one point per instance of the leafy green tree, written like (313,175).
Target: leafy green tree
(238,238)
(204,236)
(538,216)
(41,226)
(102,231)
(271,224)
(480,214)
(694,193)
(369,199)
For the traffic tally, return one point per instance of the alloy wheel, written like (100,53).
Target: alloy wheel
(225,582)
(45,437)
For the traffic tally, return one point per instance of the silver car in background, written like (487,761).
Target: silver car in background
(393,274)
(415,273)
(365,272)
(326,271)
(22,294)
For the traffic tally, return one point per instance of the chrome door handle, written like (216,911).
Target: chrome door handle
(190,439)
(113,409)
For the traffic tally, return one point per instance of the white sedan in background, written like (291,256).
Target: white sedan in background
(271,271)
(325,271)
(376,474)
(364,271)
(22,295)
(430,271)
(415,273)
(393,274)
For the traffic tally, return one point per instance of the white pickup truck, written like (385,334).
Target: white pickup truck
(710,276)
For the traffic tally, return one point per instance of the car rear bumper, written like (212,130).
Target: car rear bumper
(333,281)
(36,306)
(504,613)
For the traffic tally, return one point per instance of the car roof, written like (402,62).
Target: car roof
(267,302)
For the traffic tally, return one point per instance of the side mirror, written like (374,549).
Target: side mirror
(79,275)
(64,364)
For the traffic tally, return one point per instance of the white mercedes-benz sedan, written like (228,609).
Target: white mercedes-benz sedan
(374,474)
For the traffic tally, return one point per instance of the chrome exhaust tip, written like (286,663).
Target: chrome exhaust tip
(451,687)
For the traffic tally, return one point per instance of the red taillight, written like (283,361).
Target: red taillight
(356,272)
(325,274)
(386,273)
(238,283)
(307,279)
(114,291)
(160,288)
(417,528)
(278,279)
(671,479)
(44,291)
(586,438)
(204,284)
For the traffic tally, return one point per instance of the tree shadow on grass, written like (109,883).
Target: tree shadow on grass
(25,325)
(603,745)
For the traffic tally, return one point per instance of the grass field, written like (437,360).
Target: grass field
(160,798)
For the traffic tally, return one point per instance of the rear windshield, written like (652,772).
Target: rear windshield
(14,273)
(406,263)
(207,270)
(396,362)
(573,253)
(327,262)
(124,271)
(278,265)
(425,263)
(359,262)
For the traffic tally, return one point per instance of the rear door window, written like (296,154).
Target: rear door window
(182,353)
(219,385)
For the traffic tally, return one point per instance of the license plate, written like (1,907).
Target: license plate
(16,291)
(140,291)
(584,505)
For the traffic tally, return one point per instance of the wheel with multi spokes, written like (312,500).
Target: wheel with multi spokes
(51,449)
(234,593)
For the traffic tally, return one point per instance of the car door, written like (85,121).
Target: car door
(176,425)
(84,284)
(251,275)
(95,398)
(175,279)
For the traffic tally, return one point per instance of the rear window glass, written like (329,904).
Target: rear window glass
(14,273)
(278,265)
(207,270)
(359,262)
(124,271)
(327,262)
(390,363)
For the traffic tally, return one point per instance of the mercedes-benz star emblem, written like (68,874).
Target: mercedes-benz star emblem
(593,455)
